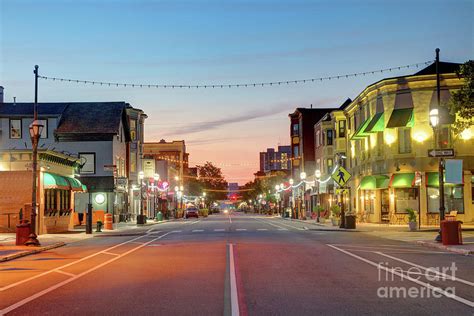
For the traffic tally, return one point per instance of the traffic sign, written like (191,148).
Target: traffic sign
(341,191)
(341,176)
(448,152)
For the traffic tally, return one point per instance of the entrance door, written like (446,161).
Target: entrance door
(385,203)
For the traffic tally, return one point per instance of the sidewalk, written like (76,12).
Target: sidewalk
(9,251)
(423,237)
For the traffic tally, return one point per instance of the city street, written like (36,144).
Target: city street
(239,264)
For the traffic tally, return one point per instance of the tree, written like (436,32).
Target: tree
(461,103)
(211,178)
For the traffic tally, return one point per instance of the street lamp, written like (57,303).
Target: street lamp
(156,178)
(141,217)
(434,121)
(302,204)
(35,132)
(317,174)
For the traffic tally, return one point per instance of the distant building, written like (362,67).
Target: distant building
(279,160)
(96,134)
(233,191)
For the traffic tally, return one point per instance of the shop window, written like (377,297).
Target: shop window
(453,199)
(342,129)
(404,140)
(15,129)
(329,137)
(406,198)
(88,161)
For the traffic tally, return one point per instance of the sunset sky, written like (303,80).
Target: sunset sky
(207,42)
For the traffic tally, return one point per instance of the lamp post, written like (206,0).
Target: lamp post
(317,174)
(291,181)
(176,190)
(156,178)
(181,189)
(434,121)
(303,204)
(141,217)
(35,132)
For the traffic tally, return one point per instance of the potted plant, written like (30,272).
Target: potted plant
(411,218)
(336,215)
(318,209)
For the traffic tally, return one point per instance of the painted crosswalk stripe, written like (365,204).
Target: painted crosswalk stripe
(219,229)
(176,231)
(241,229)
(262,229)
(282,228)
(198,230)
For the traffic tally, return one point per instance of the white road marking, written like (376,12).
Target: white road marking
(234,299)
(110,253)
(407,277)
(241,229)
(198,230)
(447,276)
(68,265)
(154,245)
(66,273)
(267,222)
(60,284)
(137,242)
(261,229)
(176,231)
(219,229)
(194,222)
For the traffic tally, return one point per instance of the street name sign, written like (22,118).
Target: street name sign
(341,176)
(447,152)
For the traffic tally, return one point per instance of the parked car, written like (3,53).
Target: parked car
(191,212)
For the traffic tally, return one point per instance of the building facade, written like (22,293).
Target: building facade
(276,160)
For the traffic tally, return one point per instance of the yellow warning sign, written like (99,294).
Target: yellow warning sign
(341,176)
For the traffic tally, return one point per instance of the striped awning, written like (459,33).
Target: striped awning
(401,118)
(361,133)
(376,124)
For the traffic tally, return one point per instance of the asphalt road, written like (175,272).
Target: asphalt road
(239,264)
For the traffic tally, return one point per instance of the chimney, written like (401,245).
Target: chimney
(1,94)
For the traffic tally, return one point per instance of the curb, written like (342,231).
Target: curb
(119,235)
(31,252)
(460,251)
(324,229)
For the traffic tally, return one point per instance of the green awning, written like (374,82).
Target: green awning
(360,133)
(401,118)
(374,182)
(76,185)
(432,180)
(402,180)
(377,124)
(84,188)
(54,181)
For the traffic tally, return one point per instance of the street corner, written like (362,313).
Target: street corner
(14,252)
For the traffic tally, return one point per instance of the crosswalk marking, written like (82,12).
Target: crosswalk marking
(219,229)
(241,229)
(262,229)
(198,230)
(282,228)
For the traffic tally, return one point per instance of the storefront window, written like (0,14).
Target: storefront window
(404,140)
(453,199)
(369,201)
(406,198)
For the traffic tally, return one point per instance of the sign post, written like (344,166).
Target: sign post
(341,176)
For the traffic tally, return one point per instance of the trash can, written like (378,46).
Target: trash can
(159,216)
(350,222)
(451,233)
(22,233)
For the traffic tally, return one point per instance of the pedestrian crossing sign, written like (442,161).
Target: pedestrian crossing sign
(341,176)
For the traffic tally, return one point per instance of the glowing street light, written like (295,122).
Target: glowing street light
(303,175)
(141,217)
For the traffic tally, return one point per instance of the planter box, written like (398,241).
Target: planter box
(335,221)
